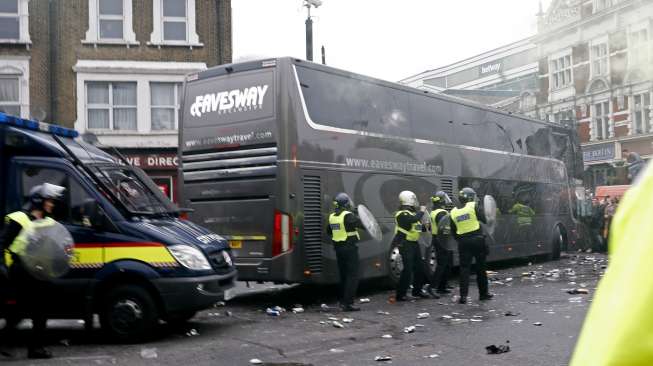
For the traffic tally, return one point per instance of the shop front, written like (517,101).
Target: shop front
(160,165)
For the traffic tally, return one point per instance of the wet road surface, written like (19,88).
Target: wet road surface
(451,334)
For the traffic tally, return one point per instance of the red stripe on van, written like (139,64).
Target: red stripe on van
(118,245)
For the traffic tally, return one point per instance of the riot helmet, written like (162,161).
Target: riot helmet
(342,200)
(440,198)
(46,191)
(466,195)
(408,198)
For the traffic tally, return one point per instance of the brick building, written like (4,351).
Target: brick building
(595,67)
(111,67)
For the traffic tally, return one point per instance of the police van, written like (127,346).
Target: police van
(136,260)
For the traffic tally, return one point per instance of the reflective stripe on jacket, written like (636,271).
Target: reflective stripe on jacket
(338,231)
(465,218)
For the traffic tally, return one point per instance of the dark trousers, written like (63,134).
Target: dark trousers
(347,255)
(444,263)
(31,302)
(413,270)
(468,249)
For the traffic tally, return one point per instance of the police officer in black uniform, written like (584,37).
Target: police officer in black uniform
(408,228)
(31,293)
(443,255)
(343,229)
(466,228)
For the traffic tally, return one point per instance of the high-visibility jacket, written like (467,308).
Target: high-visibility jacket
(19,245)
(339,233)
(617,329)
(415,228)
(524,214)
(25,222)
(434,224)
(465,218)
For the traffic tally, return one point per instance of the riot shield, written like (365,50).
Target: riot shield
(370,223)
(48,250)
(490,211)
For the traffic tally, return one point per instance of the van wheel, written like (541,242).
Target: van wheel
(181,318)
(128,314)
(395,266)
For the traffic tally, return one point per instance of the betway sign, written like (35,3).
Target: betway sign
(236,100)
(490,68)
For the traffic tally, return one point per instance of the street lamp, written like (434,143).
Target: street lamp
(309,27)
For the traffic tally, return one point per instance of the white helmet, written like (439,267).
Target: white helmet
(408,198)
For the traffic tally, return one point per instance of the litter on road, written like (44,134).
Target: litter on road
(383,358)
(409,329)
(297,310)
(192,333)
(578,291)
(380,312)
(537,324)
(495,350)
(272,312)
(336,350)
(435,355)
(337,325)
(386,336)
(423,315)
(364,300)
(149,353)
(347,320)
(255,361)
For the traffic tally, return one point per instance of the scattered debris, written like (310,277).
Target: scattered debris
(576,299)
(149,353)
(510,313)
(495,350)
(447,317)
(324,307)
(337,325)
(435,355)
(537,324)
(255,361)
(192,333)
(347,320)
(336,350)
(380,312)
(65,342)
(383,358)
(475,320)
(228,313)
(517,321)
(297,310)
(219,303)
(323,322)
(509,279)
(410,329)
(364,300)
(386,336)
(272,312)
(578,291)
(332,318)
(423,315)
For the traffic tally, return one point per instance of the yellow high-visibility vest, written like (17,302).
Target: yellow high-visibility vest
(338,231)
(617,329)
(524,214)
(434,215)
(465,218)
(25,222)
(415,228)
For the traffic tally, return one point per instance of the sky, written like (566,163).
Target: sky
(387,39)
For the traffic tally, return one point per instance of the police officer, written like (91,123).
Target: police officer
(31,292)
(408,228)
(443,255)
(343,228)
(466,228)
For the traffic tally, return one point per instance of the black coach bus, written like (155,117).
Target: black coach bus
(265,146)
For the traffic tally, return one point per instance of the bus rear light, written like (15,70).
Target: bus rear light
(282,241)
(307,273)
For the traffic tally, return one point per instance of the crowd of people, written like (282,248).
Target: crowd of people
(603,210)
(461,225)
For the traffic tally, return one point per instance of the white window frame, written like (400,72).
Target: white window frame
(606,120)
(111,106)
(18,66)
(23,24)
(602,60)
(600,5)
(143,73)
(176,107)
(553,71)
(644,48)
(156,37)
(93,32)
(645,110)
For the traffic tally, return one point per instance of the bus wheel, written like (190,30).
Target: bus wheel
(395,265)
(558,243)
(128,314)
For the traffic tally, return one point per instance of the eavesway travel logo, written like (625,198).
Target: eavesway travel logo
(237,100)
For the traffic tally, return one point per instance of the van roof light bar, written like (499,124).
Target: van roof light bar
(6,119)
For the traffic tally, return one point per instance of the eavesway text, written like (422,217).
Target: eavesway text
(227,101)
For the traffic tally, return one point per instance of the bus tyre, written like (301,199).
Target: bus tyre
(557,244)
(128,313)
(395,266)
(178,319)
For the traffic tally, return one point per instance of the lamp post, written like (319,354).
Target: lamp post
(309,27)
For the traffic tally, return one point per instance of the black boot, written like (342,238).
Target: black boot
(434,295)
(487,296)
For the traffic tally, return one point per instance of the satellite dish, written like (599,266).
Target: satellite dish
(370,223)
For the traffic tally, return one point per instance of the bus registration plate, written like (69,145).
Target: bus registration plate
(235,244)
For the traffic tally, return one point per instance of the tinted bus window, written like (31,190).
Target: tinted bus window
(354,104)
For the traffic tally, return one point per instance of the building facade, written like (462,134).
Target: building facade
(113,68)
(590,64)
(595,68)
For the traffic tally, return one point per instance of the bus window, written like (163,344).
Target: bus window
(354,104)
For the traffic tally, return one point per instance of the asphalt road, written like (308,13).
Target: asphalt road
(452,334)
